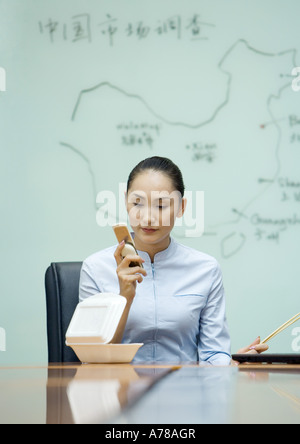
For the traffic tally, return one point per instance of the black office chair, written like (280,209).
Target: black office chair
(62,285)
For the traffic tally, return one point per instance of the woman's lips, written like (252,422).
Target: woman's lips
(149,230)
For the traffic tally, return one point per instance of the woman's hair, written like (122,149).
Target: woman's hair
(160,164)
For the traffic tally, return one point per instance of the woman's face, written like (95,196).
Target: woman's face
(153,206)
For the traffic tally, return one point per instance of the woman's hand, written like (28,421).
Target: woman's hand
(255,348)
(128,276)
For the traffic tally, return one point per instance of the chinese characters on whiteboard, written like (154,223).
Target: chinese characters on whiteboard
(83,27)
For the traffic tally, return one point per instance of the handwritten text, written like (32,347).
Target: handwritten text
(111,29)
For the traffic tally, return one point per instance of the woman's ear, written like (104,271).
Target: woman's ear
(182,207)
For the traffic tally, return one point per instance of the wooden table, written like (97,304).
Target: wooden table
(149,394)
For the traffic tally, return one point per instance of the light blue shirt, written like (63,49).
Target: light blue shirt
(179,308)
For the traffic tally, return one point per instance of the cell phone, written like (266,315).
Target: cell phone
(122,234)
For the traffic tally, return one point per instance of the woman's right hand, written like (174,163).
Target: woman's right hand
(128,276)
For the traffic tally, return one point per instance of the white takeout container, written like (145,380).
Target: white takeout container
(93,327)
(106,353)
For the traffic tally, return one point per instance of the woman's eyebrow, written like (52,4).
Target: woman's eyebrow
(139,196)
(136,197)
(154,198)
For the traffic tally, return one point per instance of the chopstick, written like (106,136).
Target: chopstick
(282,328)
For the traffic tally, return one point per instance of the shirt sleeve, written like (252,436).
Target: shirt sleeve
(214,340)
(87,284)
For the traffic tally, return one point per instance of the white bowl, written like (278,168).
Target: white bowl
(106,353)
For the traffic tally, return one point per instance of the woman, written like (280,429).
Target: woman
(175,295)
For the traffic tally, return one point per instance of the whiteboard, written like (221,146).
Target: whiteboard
(93,87)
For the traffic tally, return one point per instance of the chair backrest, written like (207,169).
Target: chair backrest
(62,290)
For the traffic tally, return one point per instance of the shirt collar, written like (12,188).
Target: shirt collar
(162,255)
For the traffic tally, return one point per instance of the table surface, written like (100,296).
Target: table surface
(150,394)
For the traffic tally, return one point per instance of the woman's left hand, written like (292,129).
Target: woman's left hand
(253,349)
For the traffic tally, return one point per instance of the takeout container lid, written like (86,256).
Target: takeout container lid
(96,320)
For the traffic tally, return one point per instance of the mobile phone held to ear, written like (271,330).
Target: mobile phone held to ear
(122,234)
